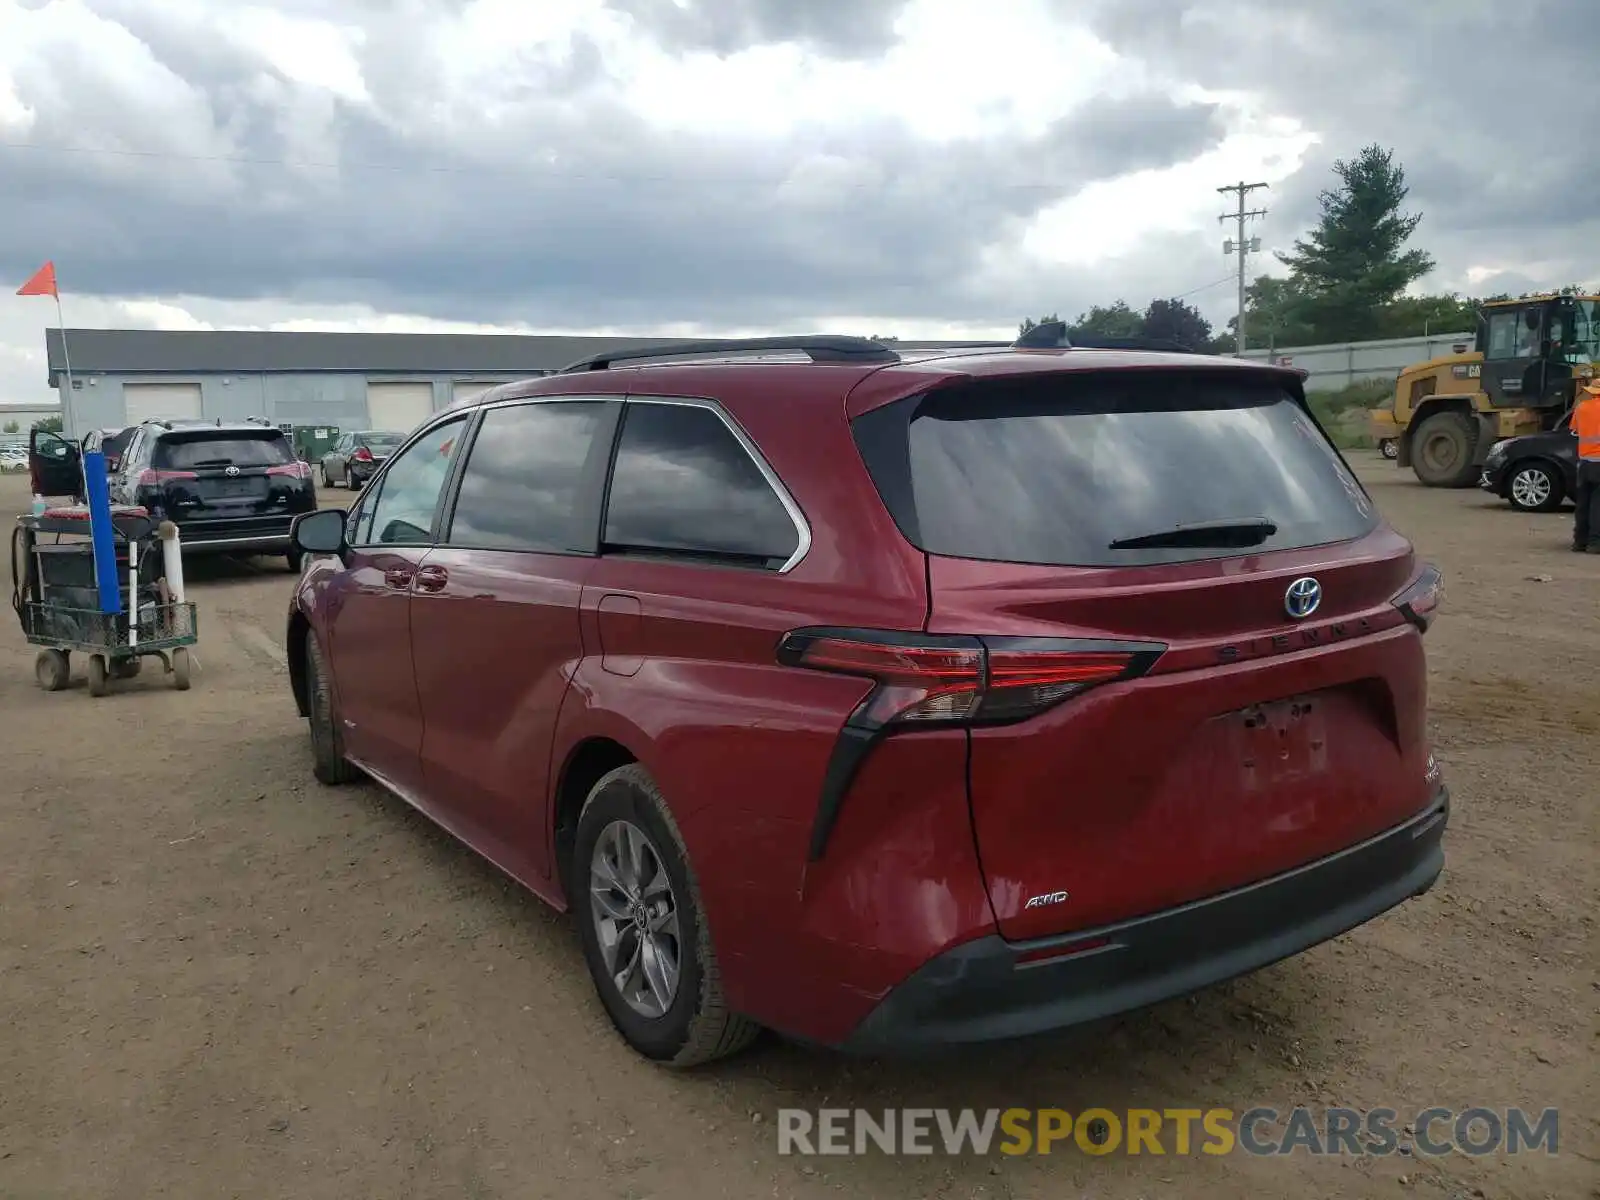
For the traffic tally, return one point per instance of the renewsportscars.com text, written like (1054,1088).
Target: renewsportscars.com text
(1174,1131)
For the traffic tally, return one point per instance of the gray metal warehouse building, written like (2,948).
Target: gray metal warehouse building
(345,380)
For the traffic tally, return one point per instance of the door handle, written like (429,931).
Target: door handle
(398,577)
(432,579)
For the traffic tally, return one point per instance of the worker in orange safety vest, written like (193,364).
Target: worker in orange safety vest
(1586,424)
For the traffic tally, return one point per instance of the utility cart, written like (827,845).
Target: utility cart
(57,600)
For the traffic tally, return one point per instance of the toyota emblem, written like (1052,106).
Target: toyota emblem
(231,471)
(1302,598)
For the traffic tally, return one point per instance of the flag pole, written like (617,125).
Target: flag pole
(66,358)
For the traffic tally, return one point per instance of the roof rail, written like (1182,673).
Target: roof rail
(1047,335)
(822,348)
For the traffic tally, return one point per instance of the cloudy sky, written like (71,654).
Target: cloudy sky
(908,167)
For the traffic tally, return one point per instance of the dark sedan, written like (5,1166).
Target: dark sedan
(1536,472)
(356,457)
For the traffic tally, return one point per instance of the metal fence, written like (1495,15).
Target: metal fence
(1341,364)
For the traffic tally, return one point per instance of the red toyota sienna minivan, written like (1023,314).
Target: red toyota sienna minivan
(889,702)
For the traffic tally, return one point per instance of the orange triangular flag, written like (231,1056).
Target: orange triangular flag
(43,283)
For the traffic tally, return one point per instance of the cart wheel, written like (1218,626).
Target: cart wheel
(126,668)
(52,669)
(98,685)
(180,669)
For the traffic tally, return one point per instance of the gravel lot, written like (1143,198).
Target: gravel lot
(219,979)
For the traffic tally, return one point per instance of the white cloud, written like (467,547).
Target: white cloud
(568,167)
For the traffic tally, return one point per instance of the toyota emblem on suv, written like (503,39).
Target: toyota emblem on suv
(231,471)
(1302,598)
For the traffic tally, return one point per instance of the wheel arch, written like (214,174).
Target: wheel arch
(586,762)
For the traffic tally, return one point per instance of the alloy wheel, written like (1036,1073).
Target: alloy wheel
(635,916)
(1530,488)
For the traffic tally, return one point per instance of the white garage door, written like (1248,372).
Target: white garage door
(471,387)
(400,407)
(152,401)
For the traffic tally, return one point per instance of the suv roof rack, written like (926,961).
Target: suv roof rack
(821,348)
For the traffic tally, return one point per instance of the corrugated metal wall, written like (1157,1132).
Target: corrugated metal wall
(1340,364)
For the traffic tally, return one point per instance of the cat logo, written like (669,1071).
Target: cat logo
(1046,899)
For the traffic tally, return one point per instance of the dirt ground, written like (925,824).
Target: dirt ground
(219,979)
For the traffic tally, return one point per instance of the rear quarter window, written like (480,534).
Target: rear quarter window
(1052,469)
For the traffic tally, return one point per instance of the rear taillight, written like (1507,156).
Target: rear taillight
(927,679)
(152,478)
(1419,602)
(362,455)
(923,681)
(297,470)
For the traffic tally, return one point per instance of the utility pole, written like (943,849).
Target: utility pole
(1242,245)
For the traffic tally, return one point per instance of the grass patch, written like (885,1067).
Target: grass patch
(1344,413)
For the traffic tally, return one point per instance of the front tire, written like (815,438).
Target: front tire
(1442,451)
(1389,448)
(326,482)
(1535,487)
(99,676)
(644,932)
(327,741)
(296,559)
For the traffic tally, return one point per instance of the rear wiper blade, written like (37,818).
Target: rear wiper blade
(1240,531)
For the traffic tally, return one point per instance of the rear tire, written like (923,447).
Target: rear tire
(296,559)
(693,1025)
(180,668)
(327,740)
(1389,448)
(52,669)
(1442,450)
(1535,487)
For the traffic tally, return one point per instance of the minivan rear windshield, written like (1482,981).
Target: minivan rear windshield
(1110,469)
(193,452)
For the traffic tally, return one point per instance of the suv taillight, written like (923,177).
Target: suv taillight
(151,478)
(925,681)
(299,470)
(1419,602)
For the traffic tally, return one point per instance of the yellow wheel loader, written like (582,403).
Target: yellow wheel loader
(1519,377)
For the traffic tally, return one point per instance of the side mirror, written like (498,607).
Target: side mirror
(320,532)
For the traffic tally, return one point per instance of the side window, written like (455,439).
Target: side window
(683,484)
(402,512)
(1503,327)
(520,487)
(130,457)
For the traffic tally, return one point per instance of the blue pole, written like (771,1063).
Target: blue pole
(100,532)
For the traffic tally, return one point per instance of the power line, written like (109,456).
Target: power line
(1204,287)
(1241,243)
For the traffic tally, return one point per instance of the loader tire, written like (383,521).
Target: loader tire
(1443,450)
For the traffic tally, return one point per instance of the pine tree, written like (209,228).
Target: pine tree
(1354,264)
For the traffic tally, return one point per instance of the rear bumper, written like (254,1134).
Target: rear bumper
(978,992)
(250,535)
